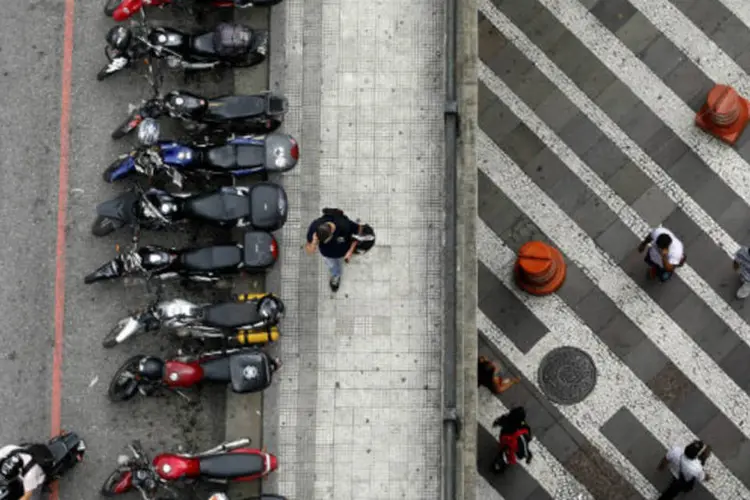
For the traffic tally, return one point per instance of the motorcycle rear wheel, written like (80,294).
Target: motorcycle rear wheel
(119,391)
(102,226)
(110,6)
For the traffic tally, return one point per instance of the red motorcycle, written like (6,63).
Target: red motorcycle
(120,10)
(245,370)
(225,463)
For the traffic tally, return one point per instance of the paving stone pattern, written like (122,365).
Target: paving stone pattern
(568,141)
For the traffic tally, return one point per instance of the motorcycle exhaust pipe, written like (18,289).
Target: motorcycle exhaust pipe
(227,446)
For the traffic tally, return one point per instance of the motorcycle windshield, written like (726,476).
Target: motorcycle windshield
(110,270)
(120,208)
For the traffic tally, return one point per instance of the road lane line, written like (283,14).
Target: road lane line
(617,205)
(620,386)
(612,280)
(599,118)
(654,93)
(544,467)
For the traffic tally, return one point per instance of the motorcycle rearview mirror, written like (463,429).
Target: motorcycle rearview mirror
(218,496)
(123,460)
(148,132)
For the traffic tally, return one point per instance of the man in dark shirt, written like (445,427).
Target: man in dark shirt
(332,234)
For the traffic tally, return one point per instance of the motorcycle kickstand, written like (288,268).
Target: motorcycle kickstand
(185,396)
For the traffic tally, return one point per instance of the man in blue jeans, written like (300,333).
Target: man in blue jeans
(332,234)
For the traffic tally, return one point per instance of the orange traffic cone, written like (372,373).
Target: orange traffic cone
(725,114)
(540,268)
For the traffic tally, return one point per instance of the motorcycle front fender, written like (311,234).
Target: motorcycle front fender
(111,270)
(126,9)
(119,169)
(115,65)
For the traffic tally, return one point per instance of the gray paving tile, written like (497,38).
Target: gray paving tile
(546,169)
(493,206)
(519,12)
(689,82)
(539,494)
(593,216)
(596,309)
(534,87)
(621,335)
(556,110)
(597,475)
(723,436)
(654,206)
(661,56)
(515,482)
(714,197)
(490,39)
(545,30)
(736,218)
(712,263)
(629,182)
(558,442)
(576,286)
(734,364)
(690,172)
(618,241)
(641,124)
(521,144)
(670,385)
(496,120)
(580,133)
(507,312)
(617,100)
(738,462)
(645,360)
(668,295)
(637,33)
(508,63)
(637,444)
(604,158)
(665,148)
(596,81)
(682,225)
(694,409)
(522,231)
(743,61)
(706,14)
(722,343)
(613,13)
(569,193)
(694,316)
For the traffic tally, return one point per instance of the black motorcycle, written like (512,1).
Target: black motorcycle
(58,456)
(258,251)
(232,45)
(234,114)
(262,206)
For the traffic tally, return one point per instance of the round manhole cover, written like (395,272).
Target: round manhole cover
(567,375)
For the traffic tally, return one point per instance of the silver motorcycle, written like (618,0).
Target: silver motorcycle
(247,320)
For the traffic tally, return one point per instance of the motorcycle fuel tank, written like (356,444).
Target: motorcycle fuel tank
(172,467)
(175,153)
(178,374)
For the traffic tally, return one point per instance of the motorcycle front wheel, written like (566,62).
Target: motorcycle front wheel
(124,384)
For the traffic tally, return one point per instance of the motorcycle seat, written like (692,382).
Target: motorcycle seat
(218,206)
(232,465)
(231,314)
(203,44)
(212,258)
(250,372)
(236,156)
(236,107)
(217,370)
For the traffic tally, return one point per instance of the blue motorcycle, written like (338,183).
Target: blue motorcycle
(207,162)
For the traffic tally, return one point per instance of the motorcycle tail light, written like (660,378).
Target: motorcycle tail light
(274,463)
(295,150)
(274,249)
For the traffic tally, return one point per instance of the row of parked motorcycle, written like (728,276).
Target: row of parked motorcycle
(229,138)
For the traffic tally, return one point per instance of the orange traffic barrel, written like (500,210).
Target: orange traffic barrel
(725,114)
(540,268)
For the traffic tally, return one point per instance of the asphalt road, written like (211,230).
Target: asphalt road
(31,40)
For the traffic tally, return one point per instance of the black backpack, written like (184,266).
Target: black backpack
(365,240)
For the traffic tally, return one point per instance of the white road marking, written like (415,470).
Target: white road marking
(544,467)
(485,491)
(599,118)
(618,286)
(617,205)
(662,101)
(617,386)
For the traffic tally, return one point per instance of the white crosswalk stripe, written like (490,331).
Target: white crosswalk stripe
(544,467)
(617,386)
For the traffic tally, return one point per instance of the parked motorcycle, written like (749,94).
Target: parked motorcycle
(263,496)
(207,162)
(225,463)
(231,45)
(244,114)
(244,370)
(249,320)
(262,206)
(258,251)
(120,10)
(58,456)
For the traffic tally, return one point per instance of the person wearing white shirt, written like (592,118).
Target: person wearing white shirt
(665,253)
(686,466)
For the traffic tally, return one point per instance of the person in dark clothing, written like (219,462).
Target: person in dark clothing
(487,376)
(333,236)
(514,440)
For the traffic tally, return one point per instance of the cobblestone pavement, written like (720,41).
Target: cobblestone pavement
(355,413)
(587,139)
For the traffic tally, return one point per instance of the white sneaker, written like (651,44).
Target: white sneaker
(744,291)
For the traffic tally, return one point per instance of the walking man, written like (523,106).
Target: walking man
(665,253)
(742,266)
(686,465)
(333,235)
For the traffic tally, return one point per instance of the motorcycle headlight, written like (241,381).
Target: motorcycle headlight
(148,132)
